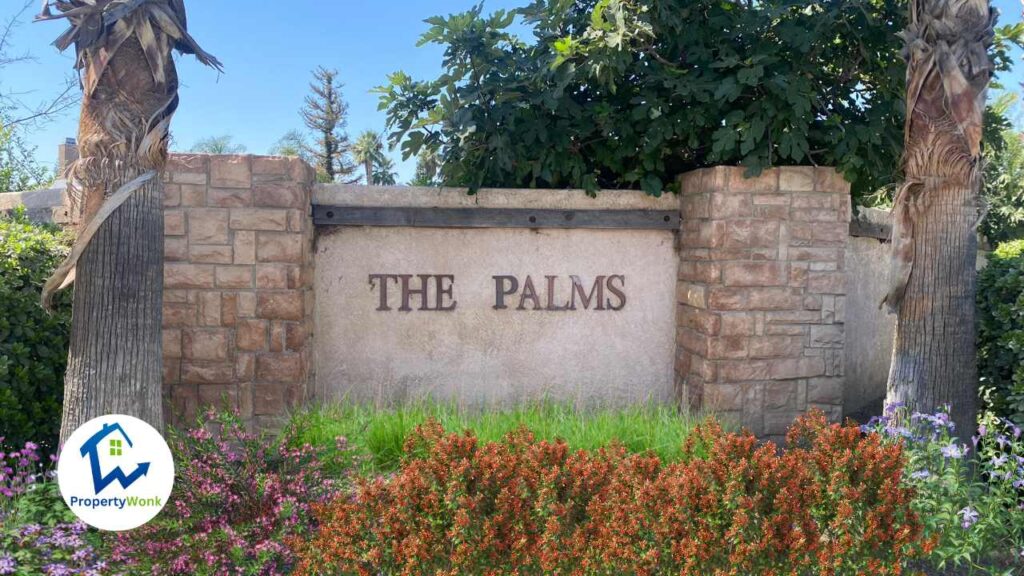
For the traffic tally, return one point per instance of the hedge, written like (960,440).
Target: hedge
(33,343)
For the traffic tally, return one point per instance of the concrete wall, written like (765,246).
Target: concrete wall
(869,328)
(476,354)
(45,205)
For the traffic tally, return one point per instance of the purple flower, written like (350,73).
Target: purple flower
(7,564)
(892,408)
(954,451)
(57,570)
(969,517)
(921,475)
(982,430)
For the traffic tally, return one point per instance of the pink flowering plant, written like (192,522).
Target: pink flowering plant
(238,499)
(970,496)
(21,471)
(38,534)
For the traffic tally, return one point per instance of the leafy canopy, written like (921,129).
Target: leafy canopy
(19,169)
(1004,177)
(219,145)
(631,93)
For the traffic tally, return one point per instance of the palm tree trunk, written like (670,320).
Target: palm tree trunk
(130,93)
(935,214)
(368,166)
(115,360)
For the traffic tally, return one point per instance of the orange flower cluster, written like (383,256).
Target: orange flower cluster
(831,503)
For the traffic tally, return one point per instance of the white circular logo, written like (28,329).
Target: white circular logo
(115,472)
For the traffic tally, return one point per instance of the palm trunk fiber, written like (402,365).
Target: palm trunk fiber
(935,213)
(115,357)
(114,365)
(129,95)
(934,359)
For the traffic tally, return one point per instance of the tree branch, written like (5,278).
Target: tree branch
(61,103)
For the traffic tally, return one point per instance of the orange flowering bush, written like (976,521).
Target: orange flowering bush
(831,503)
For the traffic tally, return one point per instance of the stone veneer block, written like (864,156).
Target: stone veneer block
(761,277)
(238,274)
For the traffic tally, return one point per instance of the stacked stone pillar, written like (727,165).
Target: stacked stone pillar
(761,294)
(238,277)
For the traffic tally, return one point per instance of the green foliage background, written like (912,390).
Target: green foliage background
(631,93)
(33,344)
(1001,331)
(18,167)
(1004,174)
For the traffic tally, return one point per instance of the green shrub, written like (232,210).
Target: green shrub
(33,343)
(1001,331)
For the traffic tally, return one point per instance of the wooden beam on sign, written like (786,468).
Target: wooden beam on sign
(418,217)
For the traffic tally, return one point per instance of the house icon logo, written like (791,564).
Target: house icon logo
(115,472)
(91,450)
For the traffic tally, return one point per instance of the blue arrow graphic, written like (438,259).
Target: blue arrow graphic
(91,448)
(101,482)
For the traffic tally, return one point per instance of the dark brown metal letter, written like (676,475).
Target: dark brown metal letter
(407,292)
(620,292)
(529,293)
(500,291)
(383,279)
(551,296)
(444,290)
(578,289)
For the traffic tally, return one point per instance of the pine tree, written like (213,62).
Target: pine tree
(325,113)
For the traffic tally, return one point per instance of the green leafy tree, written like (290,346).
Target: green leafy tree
(19,169)
(219,145)
(632,93)
(1004,177)
(293,143)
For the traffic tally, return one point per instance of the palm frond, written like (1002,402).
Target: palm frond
(99,27)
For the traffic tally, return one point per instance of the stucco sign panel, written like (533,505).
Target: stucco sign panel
(495,316)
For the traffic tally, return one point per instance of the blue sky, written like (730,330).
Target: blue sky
(268,50)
